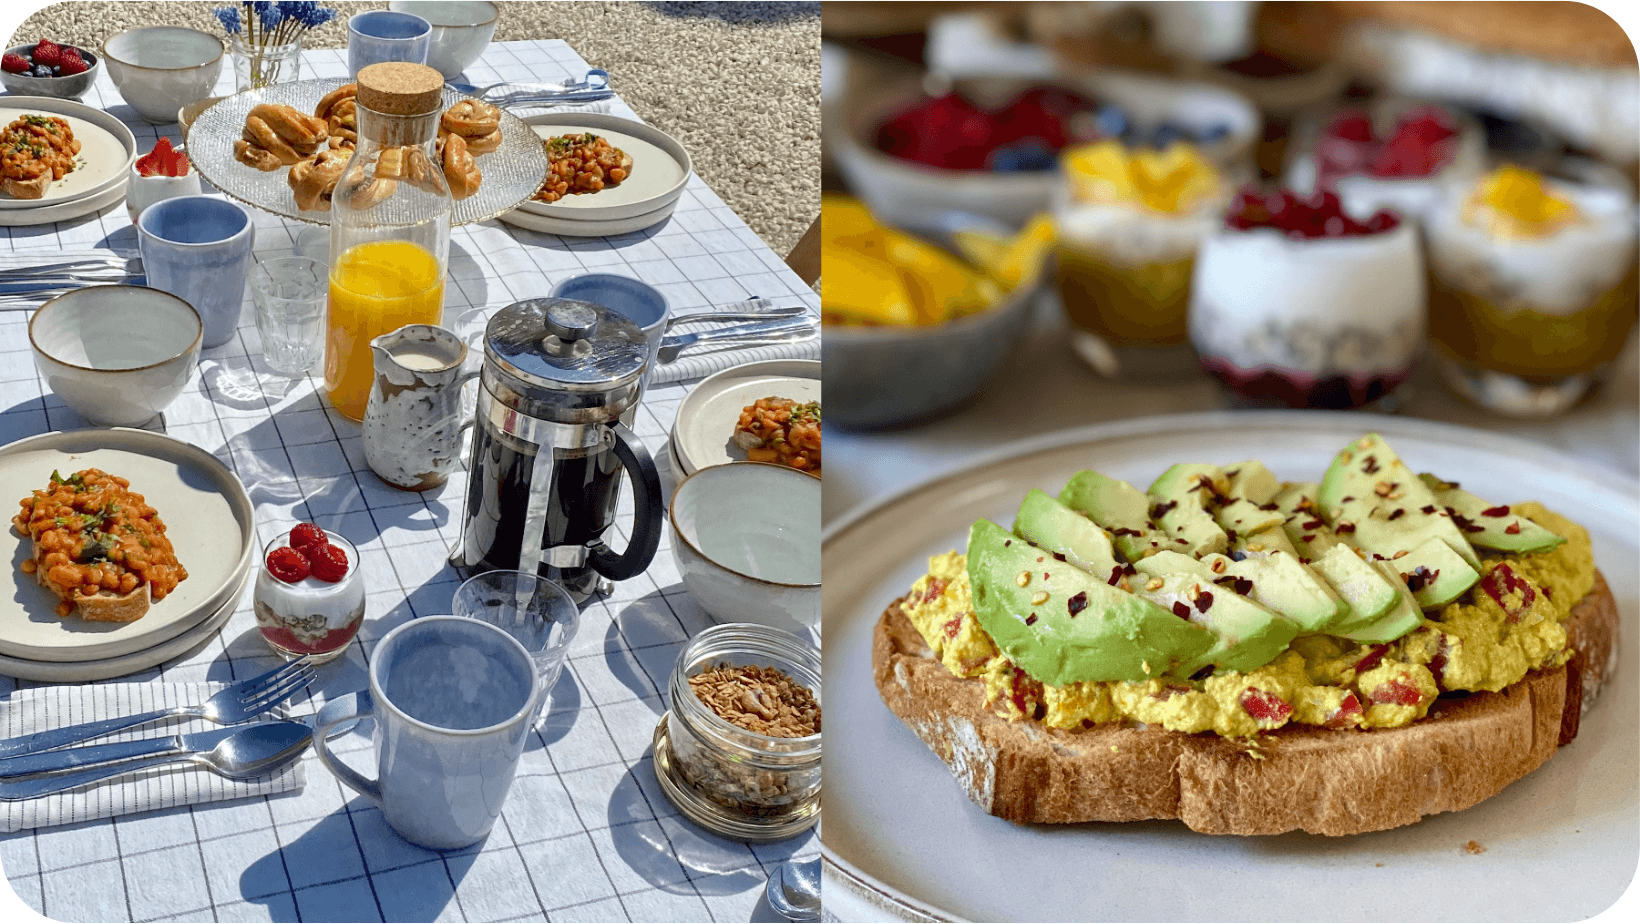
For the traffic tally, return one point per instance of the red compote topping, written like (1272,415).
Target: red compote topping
(1302,218)
(952,133)
(1422,142)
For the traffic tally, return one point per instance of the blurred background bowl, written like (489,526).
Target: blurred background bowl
(117,355)
(746,539)
(160,69)
(461,31)
(71,87)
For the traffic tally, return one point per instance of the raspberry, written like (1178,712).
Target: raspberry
(329,562)
(288,564)
(15,64)
(72,63)
(304,535)
(49,53)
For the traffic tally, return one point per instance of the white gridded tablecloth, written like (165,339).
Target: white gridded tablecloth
(587,834)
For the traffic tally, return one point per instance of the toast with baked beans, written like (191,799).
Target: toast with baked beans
(99,546)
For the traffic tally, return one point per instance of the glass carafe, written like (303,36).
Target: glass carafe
(389,226)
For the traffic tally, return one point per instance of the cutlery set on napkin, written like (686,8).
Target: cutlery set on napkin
(25,282)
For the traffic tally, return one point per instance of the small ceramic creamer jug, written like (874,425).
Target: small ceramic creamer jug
(413,423)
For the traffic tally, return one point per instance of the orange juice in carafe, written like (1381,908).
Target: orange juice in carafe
(375,288)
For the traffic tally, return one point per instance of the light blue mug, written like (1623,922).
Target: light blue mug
(453,700)
(383,35)
(633,299)
(198,248)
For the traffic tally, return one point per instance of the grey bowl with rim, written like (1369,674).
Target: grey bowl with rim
(71,87)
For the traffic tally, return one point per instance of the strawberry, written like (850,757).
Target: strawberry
(165,161)
(73,63)
(288,565)
(329,562)
(15,64)
(48,53)
(304,535)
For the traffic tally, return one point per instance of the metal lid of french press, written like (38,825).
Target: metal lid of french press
(559,344)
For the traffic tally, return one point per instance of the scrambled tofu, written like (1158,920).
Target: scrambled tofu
(1510,623)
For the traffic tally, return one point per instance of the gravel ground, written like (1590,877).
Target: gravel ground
(737,83)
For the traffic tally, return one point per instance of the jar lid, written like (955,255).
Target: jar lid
(563,344)
(401,88)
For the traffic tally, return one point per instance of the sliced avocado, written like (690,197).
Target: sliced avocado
(1061,530)
(1118,507)
(1165,562)
(1069,625)
(1435,574)
(1251,488)
(1264,543)
(1242,516)
(1248,635)
(1402,618)
(1182,500)
(1367,480)
(1251,481)
(1280,582)
(1358,584)
(1293,495)
(1489,524)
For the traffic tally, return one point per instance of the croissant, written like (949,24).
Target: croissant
(261,135)
(329,104)
(459,169)
(260,158)
(299,130)
(314,180)
(343,123)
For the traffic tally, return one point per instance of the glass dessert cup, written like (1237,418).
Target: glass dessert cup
(310,618)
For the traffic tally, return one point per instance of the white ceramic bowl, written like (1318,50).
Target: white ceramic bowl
(461,31)
(160,69)
(746,538)
(71,87)
(118,355)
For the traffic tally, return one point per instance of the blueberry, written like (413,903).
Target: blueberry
(1112,122)
(1166,135)
(1024,155)
(1212,133)
(41,70)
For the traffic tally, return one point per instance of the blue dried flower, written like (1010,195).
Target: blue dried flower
(228,16)
(307,13)
(267,12)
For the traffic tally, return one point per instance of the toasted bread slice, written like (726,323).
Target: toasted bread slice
(1324,781)
(102,607)
(26,189)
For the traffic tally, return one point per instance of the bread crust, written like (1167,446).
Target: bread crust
(1323,781)
(100,607)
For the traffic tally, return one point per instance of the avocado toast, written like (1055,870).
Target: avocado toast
(1248,655)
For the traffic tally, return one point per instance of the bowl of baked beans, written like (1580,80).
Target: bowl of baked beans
(117,355)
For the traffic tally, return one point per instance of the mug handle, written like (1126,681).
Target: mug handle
(647,517)
(347,708)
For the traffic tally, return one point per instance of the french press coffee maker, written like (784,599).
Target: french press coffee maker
(559,390)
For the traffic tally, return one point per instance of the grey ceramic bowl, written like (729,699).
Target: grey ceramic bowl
(117,355)
(461,31)
(70,87)
(160,69)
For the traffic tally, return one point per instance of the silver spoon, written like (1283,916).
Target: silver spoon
(788,329)
(794,889)
(249,752)
(762,314)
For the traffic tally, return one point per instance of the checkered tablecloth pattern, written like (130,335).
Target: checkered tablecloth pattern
(587,834)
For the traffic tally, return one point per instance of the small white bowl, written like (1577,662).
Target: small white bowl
(461,31)
(118,355)
(746,538)
(160,69)
(73,86)
(144,191)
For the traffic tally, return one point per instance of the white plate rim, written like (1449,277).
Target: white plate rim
(689,407)
(861,892)
(96,117)
(610,122)
(63,211)
(571,227)
(167,449)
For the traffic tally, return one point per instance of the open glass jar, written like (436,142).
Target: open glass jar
(731,781)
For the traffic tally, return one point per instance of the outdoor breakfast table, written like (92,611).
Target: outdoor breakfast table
(587,833)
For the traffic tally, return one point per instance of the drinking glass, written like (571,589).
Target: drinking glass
(533,610)
(290,295)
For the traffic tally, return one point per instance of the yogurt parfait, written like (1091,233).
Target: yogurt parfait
(309,594)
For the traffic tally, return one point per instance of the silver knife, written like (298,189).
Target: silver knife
(249,751)
(92,755)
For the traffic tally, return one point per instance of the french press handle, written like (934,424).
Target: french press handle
(647,514)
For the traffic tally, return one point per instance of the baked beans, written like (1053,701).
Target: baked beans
(781,431)
(581,164)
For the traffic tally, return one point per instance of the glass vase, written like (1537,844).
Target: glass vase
(259,66)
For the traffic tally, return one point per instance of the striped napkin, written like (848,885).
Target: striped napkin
(166,786)
(707,358)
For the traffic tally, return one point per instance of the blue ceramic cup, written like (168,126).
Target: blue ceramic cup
(383,35)
(638,302)
(453,699)
(198,248)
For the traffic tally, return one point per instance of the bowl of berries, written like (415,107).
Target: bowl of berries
(48,69)
(309,595)
(162,173)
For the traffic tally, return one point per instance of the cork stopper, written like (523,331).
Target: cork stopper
(401,88)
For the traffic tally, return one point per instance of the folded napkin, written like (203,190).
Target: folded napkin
(165,786)
(707,358)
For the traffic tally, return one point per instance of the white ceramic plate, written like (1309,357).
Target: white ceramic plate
(208,517)
(702,433)
(64,211)
(107,150)
(901,840)
(574,227)
(104,668)
(660,167)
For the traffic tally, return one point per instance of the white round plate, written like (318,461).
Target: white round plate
(901,840)
(573,227)
(107,150)
(207,514)
(703,432)
(104,668)
(65,211)
(660,167)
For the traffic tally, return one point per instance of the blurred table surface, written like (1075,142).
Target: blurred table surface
(1043,388)
(586,833)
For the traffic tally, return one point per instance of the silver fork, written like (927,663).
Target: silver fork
(238,703)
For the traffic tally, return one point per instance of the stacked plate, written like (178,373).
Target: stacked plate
(703,431)
(208,518)
(660,168)
(101,170)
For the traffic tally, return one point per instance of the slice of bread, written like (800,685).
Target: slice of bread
(100,607)
(1319,780)
(26,189)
